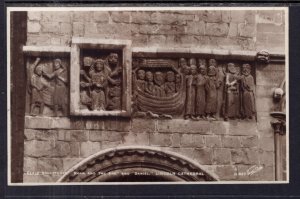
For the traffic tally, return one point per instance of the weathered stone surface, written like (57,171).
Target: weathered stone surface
(203,155)
(268,16)
(89,148)
(246,30)
(244,156)
(74,149)
(60,149)
(225,16)
(140,17)
(101,16)
(82,16)
(267,158)
(143,125)
(96,136)
(66,28)
(78,28)
(175,138)
(211,16)
(50,27)
(197,28)
(112,136)
(46,135)
(34,15)
(180,125)
(219,128)
(163,18)
(249,141)
(109,144)
(266,143)
(192,140)
(49,164)
(216,29)
(233,30)
(160,139)
(226,172)
(33,27)
(237,16)
(94,124)
(77,135)
(242,128)
(213,141)
(120,17)
(30,164)
(266,173)
(30,134)
(68,163)
(221,156)
(36,148)
(59,16)
(231,142)
(117,125)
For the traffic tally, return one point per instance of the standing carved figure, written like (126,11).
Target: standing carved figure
(211,87)
(99,80)
(149,83)
(248,97)
(232,106)
(159,87)
(183,66)
(85,81)
(60,96)
(38,84)
(201,93)
(140,82)
(170,84)
(191,93)
(177,82)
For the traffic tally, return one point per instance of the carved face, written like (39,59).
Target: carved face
(231,68)
(202,70)
(159,78)
(246,69)
(192,61)
(170,76)
(278,93)
(99,66)
(39,70)
(212,62)
(193,69)
(141,74)
(113,58)
(57,64)
(182,62)
(186,70)
(149,76)
(212,71)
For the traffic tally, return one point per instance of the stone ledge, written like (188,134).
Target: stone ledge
(38,50)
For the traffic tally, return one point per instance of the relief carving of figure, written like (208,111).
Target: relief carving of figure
(149,88)
(140,82)
(191,93)
(159,87)
(232,106)
(85,81)
(99,81)
(183,66)
(38,85)
(211,87)
(248,97)
(177,82)
(170,84)
(200,92)
(59,77)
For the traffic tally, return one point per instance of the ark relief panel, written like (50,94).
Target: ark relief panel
(194,88)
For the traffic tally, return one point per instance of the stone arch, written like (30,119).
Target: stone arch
(137,164)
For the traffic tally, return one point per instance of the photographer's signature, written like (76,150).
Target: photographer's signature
(250,171)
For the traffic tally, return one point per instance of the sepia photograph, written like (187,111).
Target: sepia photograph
(147,95)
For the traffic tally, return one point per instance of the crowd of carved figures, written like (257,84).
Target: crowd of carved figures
(48,88)
(203,85)
(100,83)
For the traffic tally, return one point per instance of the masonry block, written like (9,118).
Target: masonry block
(203,155)
(226,172)
(33,27)
(216,29)
(160,139)
(191,140)
(221,156)
(101,17)
(50,164)
(231,142)
(120,17)
(213,141)
(89,148)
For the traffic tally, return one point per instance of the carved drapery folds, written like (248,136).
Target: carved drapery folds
(47,82)
(101,76)
(197,89)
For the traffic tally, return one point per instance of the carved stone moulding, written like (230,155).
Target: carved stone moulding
(47,85)
(100,77)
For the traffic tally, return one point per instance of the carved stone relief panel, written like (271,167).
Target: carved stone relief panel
(47,84)
(100,77)
(194,88)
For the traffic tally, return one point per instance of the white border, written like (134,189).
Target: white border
(10,9)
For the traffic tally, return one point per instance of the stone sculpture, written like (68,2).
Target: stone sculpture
(200,92)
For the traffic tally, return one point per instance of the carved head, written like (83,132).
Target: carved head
(193,69)
(170,76)
(182,62)
(202,69)
(177,78)
(202,62)
(149,76)
(113,58)
(212,62)
(212,71)
(192,61)
(99,65)
(159,78)
(141,74)
(57,64)
(88,61)
(278,93)
(231,68)
(38,70)
(246,69)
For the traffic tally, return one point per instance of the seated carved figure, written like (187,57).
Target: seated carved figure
(99,80)
(149,87)
(140,82)
(159,87)
(170,84)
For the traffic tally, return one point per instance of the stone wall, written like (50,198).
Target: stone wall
(229,149)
